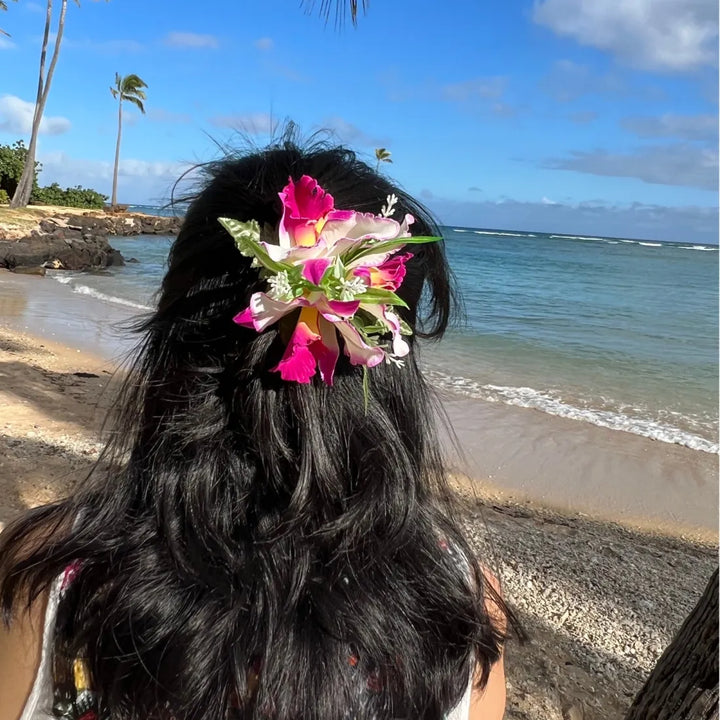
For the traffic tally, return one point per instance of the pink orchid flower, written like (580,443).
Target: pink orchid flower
(316,238)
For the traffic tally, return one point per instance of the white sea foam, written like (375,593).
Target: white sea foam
(527,397)
(697,247)
(577,237)
(92,292)
(649,244)
(85,290)
(504,234)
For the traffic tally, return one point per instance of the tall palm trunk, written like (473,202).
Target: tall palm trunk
(113,201)
(25,185)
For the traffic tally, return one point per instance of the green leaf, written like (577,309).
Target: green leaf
(247,239)
(389,245)
(366,388)
(379,296)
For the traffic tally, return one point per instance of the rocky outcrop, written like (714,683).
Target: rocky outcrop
(77,241)
(63,248)
(117,223)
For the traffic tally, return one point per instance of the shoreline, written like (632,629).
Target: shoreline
(599,601)
(520,455)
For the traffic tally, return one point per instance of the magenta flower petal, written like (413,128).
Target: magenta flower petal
(326,351)
(313,270)
(245,318)
(298,362)
(336,310)
(305,207)
(306,199)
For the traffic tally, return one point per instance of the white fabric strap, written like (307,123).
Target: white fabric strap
(40,700)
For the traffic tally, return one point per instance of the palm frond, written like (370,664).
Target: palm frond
(135,101)
(132,84)
(340,8)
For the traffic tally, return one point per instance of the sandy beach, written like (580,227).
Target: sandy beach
(602,574)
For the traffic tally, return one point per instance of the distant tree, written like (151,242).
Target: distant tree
(130,88)
(382,155)
(3,6)
(21,196)
(12,162)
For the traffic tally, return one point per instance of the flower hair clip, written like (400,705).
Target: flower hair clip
(341,269)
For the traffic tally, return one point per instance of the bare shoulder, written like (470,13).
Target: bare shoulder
(489,703)
(20,651)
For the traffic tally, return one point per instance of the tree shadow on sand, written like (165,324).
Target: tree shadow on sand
(599,602)
(81,397)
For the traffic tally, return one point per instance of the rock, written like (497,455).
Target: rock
(115,259)
(64,246)
(573,711)
(132,260)
(30,271)
(54,265)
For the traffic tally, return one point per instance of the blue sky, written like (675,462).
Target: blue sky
(552,115)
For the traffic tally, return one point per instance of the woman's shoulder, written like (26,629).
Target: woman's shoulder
(21,650)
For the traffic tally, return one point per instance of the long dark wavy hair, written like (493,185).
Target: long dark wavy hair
(253,548)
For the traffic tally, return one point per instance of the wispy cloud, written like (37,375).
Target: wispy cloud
(6,44)
(191,40)
(264,44)
(682,164)
(16,117)
(481,88)
(661,35)
(474,188)
(583,117)
(351,134)
(165,116)
(684,127)
(568,80)
(247,123)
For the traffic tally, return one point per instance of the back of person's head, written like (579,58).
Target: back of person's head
(251,546)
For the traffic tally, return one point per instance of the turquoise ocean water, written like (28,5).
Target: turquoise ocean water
(619,333)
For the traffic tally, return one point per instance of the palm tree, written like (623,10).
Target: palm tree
(382,155)
(25,184)
(341,7)
(3,6)
(130,88)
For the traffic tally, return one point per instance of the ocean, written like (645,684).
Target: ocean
(618,333)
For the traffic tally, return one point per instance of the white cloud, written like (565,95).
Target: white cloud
(631,220)
(682,164)
(264,44)
(247,123)
(139,180)
(685,127)
(547,201)
(663,35)
(16,117)
(6,44)
(190,40)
